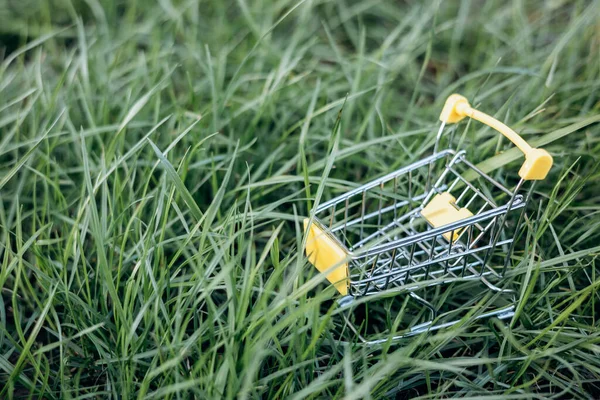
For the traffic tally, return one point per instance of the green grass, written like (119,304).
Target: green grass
(157,159)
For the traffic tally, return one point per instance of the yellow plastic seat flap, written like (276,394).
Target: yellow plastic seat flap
(441,211)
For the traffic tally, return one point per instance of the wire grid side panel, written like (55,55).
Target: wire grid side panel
(378,214)
(472,188)
(479,251)
(480,193)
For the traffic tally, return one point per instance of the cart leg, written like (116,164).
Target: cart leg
(346,302)
(426,304)
(494,287)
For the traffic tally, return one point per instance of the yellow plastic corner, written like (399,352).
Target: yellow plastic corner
(441,210)
(323,252)
(452,113)
(537,165)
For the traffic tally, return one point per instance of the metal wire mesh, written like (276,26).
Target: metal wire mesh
(392,246)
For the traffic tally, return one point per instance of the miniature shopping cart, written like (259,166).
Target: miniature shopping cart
(433,223)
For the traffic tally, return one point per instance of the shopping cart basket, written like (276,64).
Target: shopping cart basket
(435,222)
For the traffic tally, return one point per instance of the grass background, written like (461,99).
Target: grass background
(157,158)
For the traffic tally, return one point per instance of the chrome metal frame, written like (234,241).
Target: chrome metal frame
(390,247)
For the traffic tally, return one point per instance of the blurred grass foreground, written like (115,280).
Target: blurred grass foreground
(157,159)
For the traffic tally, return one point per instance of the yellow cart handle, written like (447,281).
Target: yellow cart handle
(537,161)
